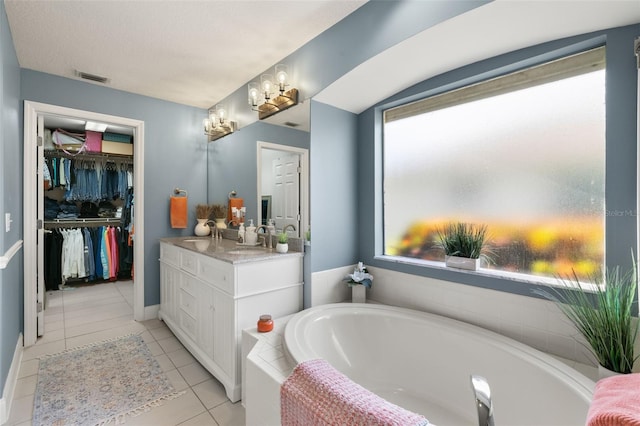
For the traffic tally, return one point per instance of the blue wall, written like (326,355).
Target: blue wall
(11,292)
(621,150)
(174,153)
(335,212)
(233,159)
(368,31)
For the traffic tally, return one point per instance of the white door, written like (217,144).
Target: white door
(286,197)
(40,290)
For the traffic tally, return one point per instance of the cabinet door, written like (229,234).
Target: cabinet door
(206,299)
(225,345)
(169,285)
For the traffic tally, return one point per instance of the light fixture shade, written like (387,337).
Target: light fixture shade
(266,82)
(254,93)
(221,113)
(282,75)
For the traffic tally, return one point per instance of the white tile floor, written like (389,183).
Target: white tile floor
(75,317)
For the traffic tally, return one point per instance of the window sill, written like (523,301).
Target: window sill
(502,280)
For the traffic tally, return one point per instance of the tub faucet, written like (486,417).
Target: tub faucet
(267,237)
(483,400)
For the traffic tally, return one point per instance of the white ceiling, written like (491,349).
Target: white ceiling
(191,52)
(495,28)
(199,52)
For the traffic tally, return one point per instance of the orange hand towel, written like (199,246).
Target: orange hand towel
(178,212)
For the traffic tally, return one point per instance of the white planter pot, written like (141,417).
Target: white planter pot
(604,372)
(358,294)
(201,229)
(462,263)
(282,248)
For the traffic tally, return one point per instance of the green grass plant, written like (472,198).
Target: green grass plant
(283,238)
(463,240)
(603,316)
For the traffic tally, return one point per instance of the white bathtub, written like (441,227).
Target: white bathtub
(423,362)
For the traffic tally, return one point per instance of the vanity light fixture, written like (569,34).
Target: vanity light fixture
(218,125)
(271,95)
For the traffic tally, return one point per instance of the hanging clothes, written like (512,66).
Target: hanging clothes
(53,269)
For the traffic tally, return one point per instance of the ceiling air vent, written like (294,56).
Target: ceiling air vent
(290,124)
(92,77)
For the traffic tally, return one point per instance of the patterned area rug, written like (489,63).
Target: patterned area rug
(99,383)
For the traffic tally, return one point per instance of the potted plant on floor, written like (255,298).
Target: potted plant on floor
(603,315)
(464,245)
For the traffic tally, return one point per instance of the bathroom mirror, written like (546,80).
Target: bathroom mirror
(283,186)
(235,164)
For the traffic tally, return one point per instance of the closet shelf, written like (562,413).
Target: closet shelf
(124,159)
(87,222)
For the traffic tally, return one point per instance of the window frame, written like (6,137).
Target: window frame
(567,66)
(620,163)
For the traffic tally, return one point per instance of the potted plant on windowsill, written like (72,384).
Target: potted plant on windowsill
(464,245)
(603,316)
(283,243)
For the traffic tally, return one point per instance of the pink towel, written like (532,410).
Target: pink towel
(616,401)
(318,394)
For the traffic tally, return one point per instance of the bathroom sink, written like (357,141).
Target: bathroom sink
(193,240)
(247,251)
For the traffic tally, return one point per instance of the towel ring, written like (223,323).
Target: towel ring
(179,191)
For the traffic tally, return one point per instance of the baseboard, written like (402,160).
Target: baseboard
(151,312)
(12,381)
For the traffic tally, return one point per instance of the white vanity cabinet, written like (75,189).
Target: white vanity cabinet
(207,302)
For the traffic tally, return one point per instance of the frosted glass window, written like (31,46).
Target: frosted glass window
(528,163)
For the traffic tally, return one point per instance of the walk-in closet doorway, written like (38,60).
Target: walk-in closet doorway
(35,115)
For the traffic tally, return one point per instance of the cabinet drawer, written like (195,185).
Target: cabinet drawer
(188,261)
(188,303)
(170,254)
(189,285)
(219,274)
(188,324)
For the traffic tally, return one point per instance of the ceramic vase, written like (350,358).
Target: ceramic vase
(201,229)
(604,372)
(358,294)
(220,223)
(282,248)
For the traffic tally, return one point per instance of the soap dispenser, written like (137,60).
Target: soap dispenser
(241,233)
(251,237)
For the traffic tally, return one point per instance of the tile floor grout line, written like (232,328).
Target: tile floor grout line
(202,391)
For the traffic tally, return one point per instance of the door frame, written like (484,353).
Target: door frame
(304,180)
(31,112)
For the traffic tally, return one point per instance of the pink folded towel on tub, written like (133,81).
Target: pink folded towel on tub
(318,394)
(616,401)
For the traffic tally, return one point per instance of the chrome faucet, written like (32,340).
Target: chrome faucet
(293,227)
(267,237)
(215,232)
(483,400)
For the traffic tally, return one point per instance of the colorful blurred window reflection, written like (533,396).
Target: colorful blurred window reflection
(528,163)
